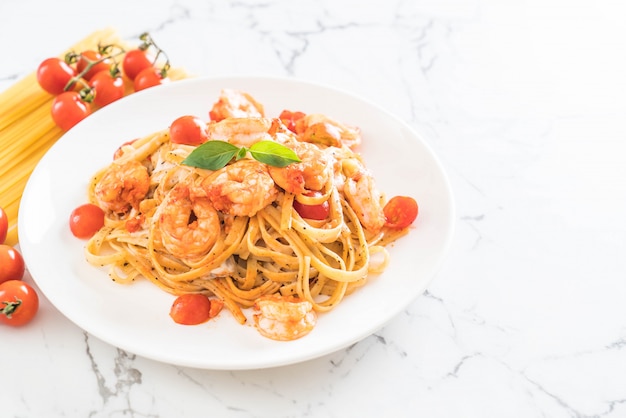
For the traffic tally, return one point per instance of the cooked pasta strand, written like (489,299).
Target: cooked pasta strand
(249,253)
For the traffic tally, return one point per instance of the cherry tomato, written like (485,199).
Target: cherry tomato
(86,220)
(68,109)
(191,309)
(98,61)
(147,78)
(108,88)
(290,119)
(53,74)
(316,212)
(400,212)
(189,130)
(4,225)
(135,61)
(11,264)
(19,303)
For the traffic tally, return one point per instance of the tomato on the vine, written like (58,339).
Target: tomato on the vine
(4,225)
(400,212)
(135,61)
(68,108)
(189,130)
(107,88)
(147,78)
(19,303)
(316,212)
(53,74)
(97,61)
(193,309)
(12,265)
(86,220)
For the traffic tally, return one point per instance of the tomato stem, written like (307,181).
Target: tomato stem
(72,57)
(10,307)
(147,42)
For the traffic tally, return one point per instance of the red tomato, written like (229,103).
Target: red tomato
(191,309)
(135,61)
(68,109)
(107,88)
(316,212)
(189,130)
(4,225)
(53,74)
(86,220)
(147,78)
(290,119)
(400,212)
(97,61)
(19,303)
(11,264)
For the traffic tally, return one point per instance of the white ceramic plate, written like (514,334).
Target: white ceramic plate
(136,317)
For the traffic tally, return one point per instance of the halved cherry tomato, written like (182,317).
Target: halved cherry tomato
(68,108)
(135,61)
(189,130)
(191,309)
(53,74)
(11,264)
(290,119)
(400,212)
(147,78)
(107,87)
(98,63)
(19,303)
(86,220)
(316,212)
(4,225)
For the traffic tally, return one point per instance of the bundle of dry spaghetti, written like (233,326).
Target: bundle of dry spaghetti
(27,130)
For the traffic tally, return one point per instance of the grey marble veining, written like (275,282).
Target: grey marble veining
(523,102)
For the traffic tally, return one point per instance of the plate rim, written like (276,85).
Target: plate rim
(435,267)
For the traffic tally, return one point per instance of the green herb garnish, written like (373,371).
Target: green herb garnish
(213,155)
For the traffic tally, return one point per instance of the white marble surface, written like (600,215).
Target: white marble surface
(523,101)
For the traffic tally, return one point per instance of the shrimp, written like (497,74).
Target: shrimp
(241,131)
(189,226)
(312,173)
(284,318)
(241,189)
(362,195)
(235,104)
(122,187)
(320,129)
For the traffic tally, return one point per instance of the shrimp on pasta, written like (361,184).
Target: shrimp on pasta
(289,238)
(241,189)
(189,225)
(122,186)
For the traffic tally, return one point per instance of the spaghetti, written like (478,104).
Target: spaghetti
(237,232)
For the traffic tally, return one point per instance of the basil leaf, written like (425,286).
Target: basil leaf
(274,154)
(212,155)
(242,153)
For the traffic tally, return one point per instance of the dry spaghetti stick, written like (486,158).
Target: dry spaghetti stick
(28,158)
(23,142)
(11,211)
(18,107)
(11,238)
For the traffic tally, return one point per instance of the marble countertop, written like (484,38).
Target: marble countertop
(524,104)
